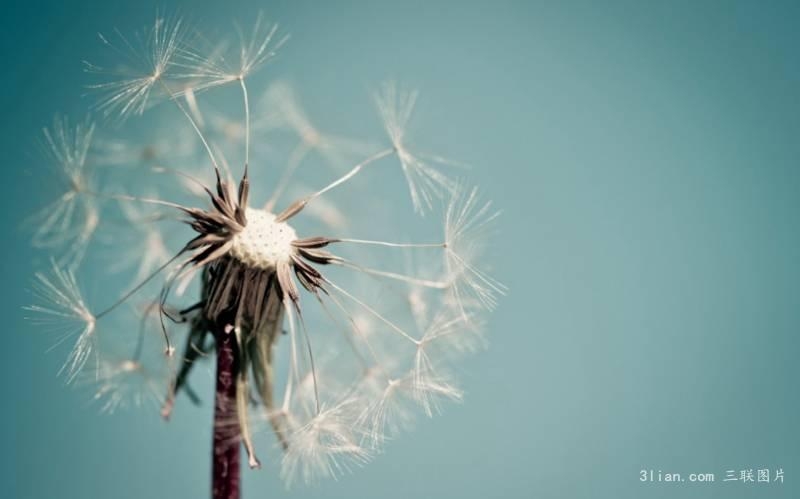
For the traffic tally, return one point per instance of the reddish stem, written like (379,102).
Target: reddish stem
(225,469)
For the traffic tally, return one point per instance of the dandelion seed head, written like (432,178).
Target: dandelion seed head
(467,221)
(388,414)
(425,183)
(67,224)
(308,316)
(326,446)
(61,308)
(68,145)
(452,333)
(213,69)
(147,60)
(430,385)
(125,384)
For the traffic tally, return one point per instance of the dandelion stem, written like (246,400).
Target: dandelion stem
(391,244)
(352,173)
(246,124)
(195,127)
(427,283)
(297,206)
(136,288)
(127,197)
(225,470)
(375,313)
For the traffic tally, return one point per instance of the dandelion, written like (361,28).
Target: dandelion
(367,343)
(425,183)
(62,309)
(124,383)
(147,60)
(467,222)
(215,69)
(324,447)
(68,223)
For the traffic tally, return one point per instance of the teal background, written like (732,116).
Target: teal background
(645,155)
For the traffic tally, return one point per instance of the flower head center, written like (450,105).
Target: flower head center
(263,242)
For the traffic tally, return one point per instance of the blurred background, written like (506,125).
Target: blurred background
(645,156)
